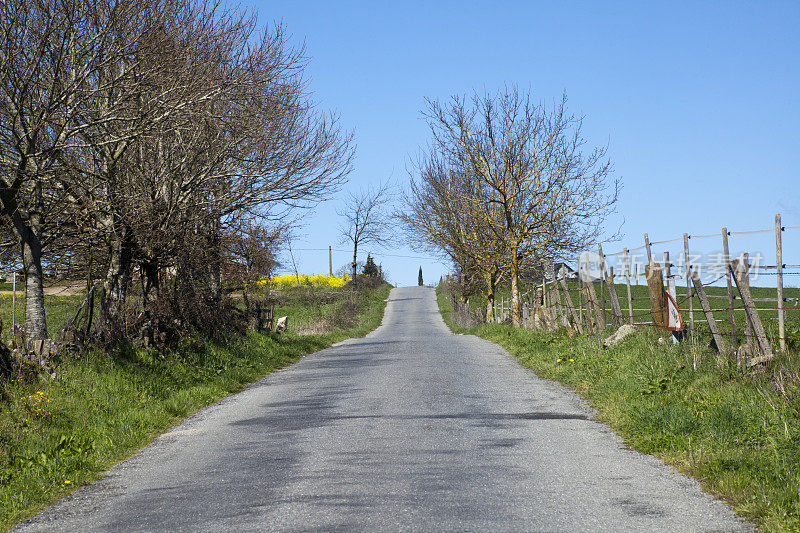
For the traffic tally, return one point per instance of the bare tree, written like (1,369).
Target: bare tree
(366,218)
(50,53)
(441,214)
(151,127)
(221,128)
(539,193)
(251,252)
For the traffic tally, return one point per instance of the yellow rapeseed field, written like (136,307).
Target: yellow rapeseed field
(317,281)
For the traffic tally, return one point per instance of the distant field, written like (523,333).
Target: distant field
(306,307)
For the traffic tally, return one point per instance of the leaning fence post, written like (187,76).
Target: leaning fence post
(600,317)
(602,292)
(604,280)
(591,320)
(779,263)
(647,247)
(570,307)
(712,323)
(688,282)
(743,280)
(628,285)
(726,260)
(616,310)
(594,317)
(739,270)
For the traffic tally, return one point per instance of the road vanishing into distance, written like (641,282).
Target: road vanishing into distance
(411,428)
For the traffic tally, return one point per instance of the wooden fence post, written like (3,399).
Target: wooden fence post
(739,270)
(580,295)
(570,307)
(555,300)
(647,247)
(599,315)
(743,279)
(779,263)
(712,323)
(726,260)
(590,319)
(602,299)
(591,297)
(628,285)
(616,310)
(688,282)
(658,302)
(544,286)
(604,280)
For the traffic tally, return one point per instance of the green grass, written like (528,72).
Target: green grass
(717,298)
(59,311)
(58,434)
(737,433)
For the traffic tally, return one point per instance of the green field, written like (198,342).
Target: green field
(59,311)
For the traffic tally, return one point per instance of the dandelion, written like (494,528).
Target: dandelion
(67,482)
(572,360)
(558,360)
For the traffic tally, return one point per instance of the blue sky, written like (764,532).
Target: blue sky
(697,102)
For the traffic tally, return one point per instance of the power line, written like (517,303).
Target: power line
(350,251)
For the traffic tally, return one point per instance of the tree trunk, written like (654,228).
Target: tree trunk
(150,282)
(490,284)
(215,264)
(516,315)
(115,287)
(355,251)
(35,320)
(28,233)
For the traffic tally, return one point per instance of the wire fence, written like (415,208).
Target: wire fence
(681,288)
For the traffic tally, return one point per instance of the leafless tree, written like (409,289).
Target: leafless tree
(251,252)
(540,194)
(151,126)
(50,53)
(367,219)
(440,214)
(233,134)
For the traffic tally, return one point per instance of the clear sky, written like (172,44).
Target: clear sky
(697,101)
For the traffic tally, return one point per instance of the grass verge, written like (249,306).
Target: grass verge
(58,434)
(738,433)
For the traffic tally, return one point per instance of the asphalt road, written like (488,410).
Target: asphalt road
(411,428)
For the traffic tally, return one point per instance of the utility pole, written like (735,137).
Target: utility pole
(330,261)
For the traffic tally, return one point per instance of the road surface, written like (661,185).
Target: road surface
(410,428)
